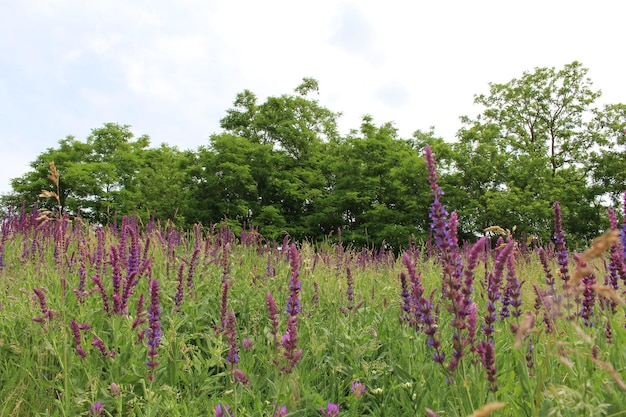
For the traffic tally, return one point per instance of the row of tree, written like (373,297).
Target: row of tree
(283,166)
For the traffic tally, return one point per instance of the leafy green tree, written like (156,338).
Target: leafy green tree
(98,178)
(275,179)
(529,147)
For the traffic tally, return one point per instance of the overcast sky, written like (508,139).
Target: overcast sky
(171,69)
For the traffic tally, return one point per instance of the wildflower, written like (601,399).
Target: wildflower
(487,355)
(281,411)
(290,344)
(247,344)
(293,303)
(559,238)
(97,409)
(430,413)
(358,389)
(154,327)
(77,341)
(224,305)
(230,327)
(140,313)
(240,376)
(273,313)
(222,411)
(105,298)
(180,288)
(99,344)
(47,313)
(114,389)
(331,410)
(192,267)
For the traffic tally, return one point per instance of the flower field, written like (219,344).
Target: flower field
(137,319)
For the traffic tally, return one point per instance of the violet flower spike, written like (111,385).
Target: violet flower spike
(154,327)
(559,238)
(293,303)
(281,411)
(230,328)
(290,345)
(223,411)
(331,410)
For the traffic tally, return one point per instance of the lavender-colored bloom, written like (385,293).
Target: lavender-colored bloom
(293,303)
(105,298)
(99,344)
(247,344)
(97,409)
(488,358)
(281,411)
(589,300)
(493,289)
(543,257)
(47,313)
(192,266)
(240,376)
(230,327)
(331,410)
(350,289)
(224,305)
(178,301)
(290,345)
(273,314)
(223,411)
(154,327)
(559,238)
(357,388)
(139,319)
(116,278)
(530,364)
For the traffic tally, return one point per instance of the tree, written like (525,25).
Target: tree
(532,142)
(98,178)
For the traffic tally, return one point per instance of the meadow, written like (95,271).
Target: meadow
(135,319)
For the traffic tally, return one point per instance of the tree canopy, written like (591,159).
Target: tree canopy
(281,165)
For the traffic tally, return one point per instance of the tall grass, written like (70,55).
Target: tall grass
(149,320)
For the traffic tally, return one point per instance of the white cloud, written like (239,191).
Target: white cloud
(172,69)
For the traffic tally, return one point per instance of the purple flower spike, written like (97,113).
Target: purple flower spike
(358,389)
(97,409)
(293,303)
(331,410)
(154,327)
(223,411)
(281,411)
(559,238)
(230,327)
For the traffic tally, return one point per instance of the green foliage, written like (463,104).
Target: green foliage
(282,166)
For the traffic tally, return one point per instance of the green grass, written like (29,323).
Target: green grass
(42,375)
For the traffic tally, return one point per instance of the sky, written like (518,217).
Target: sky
(171,69)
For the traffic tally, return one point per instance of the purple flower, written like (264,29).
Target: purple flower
(290,344)
(99,344)
(331,410)
(293,303)
(357,388)
(240,376)
(273,313)
(486,351)
(222,411)
(154,327)
(281,411)
(97,409)
(247,344)
(230,327)
(178,301)
(192,267)
(559,238)
(47,313)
